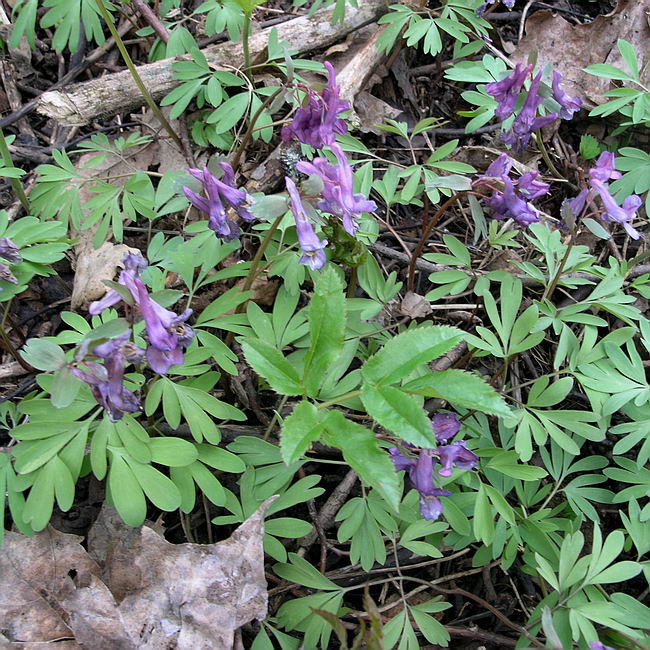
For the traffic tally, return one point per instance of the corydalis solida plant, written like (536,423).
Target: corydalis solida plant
(167,331)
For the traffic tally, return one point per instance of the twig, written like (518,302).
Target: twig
(147,13)
(425,235)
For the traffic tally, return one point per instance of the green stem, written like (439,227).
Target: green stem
(252,273)
(15,182)
(548,292)
(246,32)
(251,127)
(549,163)
(136,76)
(338,400)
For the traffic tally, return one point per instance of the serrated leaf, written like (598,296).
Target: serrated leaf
(271,364)
(362,452)
(299,430)
(399,413)
(461,388)
(403,353)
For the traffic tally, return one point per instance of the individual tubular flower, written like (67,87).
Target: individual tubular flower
(622,214)
(339,198)
(572,208)
(420,473)
(9,250)
(531,187)
(499,167)
(526,121)
(455,454)
(507,90)
(311,246)
(445,426)
(598,645)
(217,192)
(317,123)
(605,169)
(568,105)
(106,381)
(167,332)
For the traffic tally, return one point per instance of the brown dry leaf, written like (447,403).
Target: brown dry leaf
(161,595)
(570,48)
(415,306)
(35,577)
(373,111)
(93,267)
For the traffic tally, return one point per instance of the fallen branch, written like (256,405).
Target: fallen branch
(117,93)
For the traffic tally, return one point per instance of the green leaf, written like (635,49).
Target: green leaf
(362,452)
(406,351)
(461,388)
(125,491)
(400,413)
(271,364)
(43,355)
(303,573)
(299,430)
(65,388)
(326,326)
(172,452)
(608,71)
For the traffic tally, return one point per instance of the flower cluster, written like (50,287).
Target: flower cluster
(105,380)
(507,91)
(317,125)
(605,170)
(317,122)
(167,332)
(219,192)
(421,468)
(514,202)
(9,252)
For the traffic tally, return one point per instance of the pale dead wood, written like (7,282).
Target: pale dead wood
(105,96)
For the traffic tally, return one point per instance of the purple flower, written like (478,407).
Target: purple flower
(311,246)
(526,123)
(499,167)
(597,645)
(317,123)
(455,454)
(167,332)
(530,187)
(615,213)
(572,208)
(569,105)
(218,192)
(338,189)
(507,90)
(105,380)
(9,250)
(420,472)
(605,168)
(507,205)
(445,426)
(133,264)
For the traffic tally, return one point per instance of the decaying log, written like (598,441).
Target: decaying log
(113,93)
